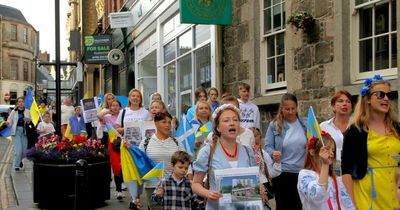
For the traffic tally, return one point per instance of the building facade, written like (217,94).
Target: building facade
(18,51)
(351,41)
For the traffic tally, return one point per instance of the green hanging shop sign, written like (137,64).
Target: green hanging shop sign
(218,12)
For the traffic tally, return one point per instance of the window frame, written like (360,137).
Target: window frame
(14,33)
(25,70)
(25,35)
(13,61)
(356,75)
(266,87)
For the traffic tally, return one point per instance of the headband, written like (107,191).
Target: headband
(223,107)
(311,143)
(367,84)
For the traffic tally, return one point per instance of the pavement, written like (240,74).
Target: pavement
(16,189)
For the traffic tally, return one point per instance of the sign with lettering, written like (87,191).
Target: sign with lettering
(97,48)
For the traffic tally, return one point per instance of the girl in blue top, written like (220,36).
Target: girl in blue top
(225,153)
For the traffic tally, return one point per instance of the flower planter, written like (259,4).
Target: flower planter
(54,184)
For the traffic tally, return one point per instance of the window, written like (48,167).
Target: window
(33,39)
(14,70)
(376,37)
(186,65)
(147,76)
(25,35)
(273,52)
(13,97)
(26,70)
(13,32)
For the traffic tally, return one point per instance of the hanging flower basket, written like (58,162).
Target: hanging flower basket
(302,20)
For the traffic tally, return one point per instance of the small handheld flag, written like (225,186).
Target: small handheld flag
(313,129)
(156,173)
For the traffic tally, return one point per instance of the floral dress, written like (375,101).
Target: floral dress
(377,190)
(314,196)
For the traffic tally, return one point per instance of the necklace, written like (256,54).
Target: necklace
(228,154)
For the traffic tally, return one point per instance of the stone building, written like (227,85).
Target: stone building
(351,41)
(18,49)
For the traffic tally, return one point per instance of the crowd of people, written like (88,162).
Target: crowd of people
(349,167)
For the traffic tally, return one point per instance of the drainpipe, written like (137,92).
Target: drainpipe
(1,51)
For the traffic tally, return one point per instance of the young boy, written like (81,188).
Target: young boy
(45,128)
(175,192)
(249,113)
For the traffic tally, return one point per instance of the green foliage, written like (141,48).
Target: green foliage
(302,20)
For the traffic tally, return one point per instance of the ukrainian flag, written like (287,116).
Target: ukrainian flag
(6,132)
(313,129)
(67,133)
(156,173)
(30,103)
(112,133)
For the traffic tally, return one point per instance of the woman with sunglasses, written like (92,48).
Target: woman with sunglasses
(373,138)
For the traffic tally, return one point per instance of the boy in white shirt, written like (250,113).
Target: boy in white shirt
(45,128)
(249,113)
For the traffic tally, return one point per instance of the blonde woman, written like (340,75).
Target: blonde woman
(101,129)
(368,146)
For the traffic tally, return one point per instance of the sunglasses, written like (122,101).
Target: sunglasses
(381,95)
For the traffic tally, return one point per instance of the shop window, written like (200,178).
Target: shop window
(147,76)
(185,43)
(202,59)
(273,53)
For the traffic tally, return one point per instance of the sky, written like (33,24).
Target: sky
(40,14)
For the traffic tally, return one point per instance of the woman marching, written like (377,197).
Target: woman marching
(368,146)
(224,153)
(318,187)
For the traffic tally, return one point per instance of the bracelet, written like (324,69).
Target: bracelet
(322,184)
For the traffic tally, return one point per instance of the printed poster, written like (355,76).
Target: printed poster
(89,107)
(135,132)
(239,188)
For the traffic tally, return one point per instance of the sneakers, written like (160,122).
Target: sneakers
(119,195)
(16,168)
(21,165)
(135,204)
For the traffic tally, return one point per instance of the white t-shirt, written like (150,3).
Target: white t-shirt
(66,113)
(249,114)
(133,115)
(43,126)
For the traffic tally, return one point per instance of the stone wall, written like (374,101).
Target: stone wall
(313,57)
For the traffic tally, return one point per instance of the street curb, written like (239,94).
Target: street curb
(3,170)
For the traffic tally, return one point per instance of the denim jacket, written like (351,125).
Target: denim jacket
(274,140)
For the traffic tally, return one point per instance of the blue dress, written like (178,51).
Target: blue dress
(220,162)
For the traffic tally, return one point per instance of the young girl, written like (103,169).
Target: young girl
(115,158)
(105,109)
(202,117)
(45,128)
(268,169)
(318,186)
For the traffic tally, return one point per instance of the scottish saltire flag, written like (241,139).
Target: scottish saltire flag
(313,129)
(183,132)
(30,103)
(156,173)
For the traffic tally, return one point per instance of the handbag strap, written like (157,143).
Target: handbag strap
(212,151)
(265,167)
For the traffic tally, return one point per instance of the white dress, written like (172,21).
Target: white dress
(315,197)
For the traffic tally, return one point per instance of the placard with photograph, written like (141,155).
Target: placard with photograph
(135,132)
(89,107)
(239,188)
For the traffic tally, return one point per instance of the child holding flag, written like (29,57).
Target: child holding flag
(318,186)
(175,192)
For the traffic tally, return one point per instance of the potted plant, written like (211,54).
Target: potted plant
(302,20)
(54,171)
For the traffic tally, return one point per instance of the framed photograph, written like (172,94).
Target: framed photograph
(240,188)
(89,107)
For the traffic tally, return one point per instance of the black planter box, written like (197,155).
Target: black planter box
(54,185)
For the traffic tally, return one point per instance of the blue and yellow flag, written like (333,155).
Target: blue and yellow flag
(156,173)
(129,168)
(6,132)
(313,129)
(112,133)
(30,103)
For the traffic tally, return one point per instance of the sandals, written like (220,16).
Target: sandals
(135,204)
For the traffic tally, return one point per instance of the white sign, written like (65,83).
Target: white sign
(89,109)
(121,19)
(135,132)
